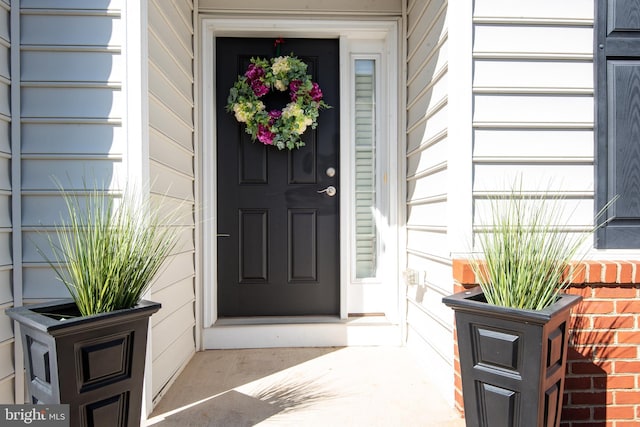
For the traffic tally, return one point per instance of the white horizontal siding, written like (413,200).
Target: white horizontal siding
(7,294)
(164,364)
(40,28)
(533,143)
(89,5)
(71,102)
(551,10)
(540,41)
(533,76)
(535,110)
(40,64)
(429,324)
(533,101)
(61,138)
(7,387)
(6,355)
(171,151)
(71,116)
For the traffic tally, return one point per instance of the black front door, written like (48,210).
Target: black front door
(278,233)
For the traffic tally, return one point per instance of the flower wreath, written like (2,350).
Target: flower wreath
(282,128)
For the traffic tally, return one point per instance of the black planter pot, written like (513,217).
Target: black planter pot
(95,363)
(512,361)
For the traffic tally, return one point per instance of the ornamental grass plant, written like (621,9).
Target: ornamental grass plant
(527,252)
(109,249)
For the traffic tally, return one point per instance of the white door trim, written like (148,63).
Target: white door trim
(346,31)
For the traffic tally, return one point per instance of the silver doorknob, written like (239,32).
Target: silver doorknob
(330,190)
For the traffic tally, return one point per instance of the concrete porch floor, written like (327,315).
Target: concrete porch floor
(348,386)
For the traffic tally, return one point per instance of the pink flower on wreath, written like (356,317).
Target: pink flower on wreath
(294,86)
(254,72)
(274,115)
(265,135)
(316,92)
(259,88)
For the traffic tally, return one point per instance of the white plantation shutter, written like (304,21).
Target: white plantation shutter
(366,238)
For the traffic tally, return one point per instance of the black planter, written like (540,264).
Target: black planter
(95,364)
(512,361)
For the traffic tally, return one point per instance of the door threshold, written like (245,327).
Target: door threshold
(301,320)
(276,320)
(300,331)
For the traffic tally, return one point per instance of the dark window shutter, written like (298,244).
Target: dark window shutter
(617,131)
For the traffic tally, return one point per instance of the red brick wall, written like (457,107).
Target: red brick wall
(602,386)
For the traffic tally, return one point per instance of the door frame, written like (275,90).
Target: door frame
(348,32)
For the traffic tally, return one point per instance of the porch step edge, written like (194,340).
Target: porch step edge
(359,332)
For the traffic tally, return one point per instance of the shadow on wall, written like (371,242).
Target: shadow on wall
(587,380)
(427,119)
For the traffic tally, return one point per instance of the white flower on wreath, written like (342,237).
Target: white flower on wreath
(280,65)
(245,111)
(279,84)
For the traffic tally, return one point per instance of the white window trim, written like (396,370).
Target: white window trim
(375,294)
(349,33)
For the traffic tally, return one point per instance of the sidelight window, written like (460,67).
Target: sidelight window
(366,189)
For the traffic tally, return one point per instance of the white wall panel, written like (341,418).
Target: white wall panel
(5,135)
(5,174)
(428,149)
(433,243)
(167,123)
(427,100)
(167,364)
(577,211)
(73,4)
(425,28)
(527,39)
(172,297)
(71,30)
(5,100)
(76,102)
(6,294)
(533,103)
(70,66)
(163,60)
(533,177)
(72,138)
(5,61)
(41,282)
(426,127)
(417,212)
(433,155)
(73,174)
(170,153)
(71,111)
(172,174)
(533,143)
(533,109)
(7,248)
(531,75)
(427,185)
(7,390)
(543,9)
(6,328)
(6,354)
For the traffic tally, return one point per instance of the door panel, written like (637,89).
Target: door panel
(278,249)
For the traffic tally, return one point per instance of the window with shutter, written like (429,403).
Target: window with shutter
(617,121)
